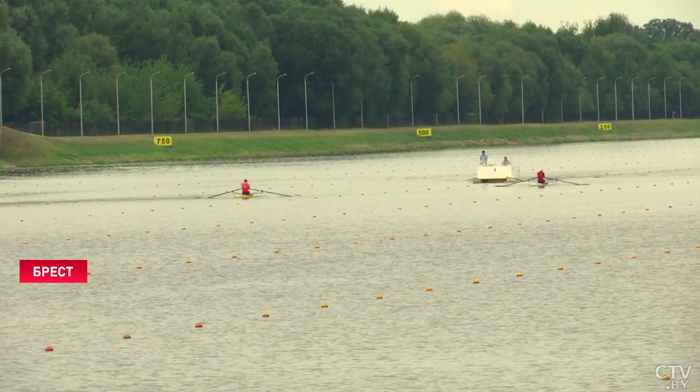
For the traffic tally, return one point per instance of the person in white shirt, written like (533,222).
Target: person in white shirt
(484,159)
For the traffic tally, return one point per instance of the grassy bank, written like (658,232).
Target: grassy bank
(19,149)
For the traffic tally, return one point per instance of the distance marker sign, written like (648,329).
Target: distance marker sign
(424,132)
(163,141)
(605,127)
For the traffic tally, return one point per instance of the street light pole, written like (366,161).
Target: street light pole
(151,84)
(649,95)
(478,82)
(580,111)
(632,83)
(680,98)
(362,114)
(80,87)
(333,100)
(457,88)
(306,102)
(216,89)
(616,79)
(41,87)
(247,94)
(279,123)
(597,95)
(116,89)
(665,110)
(413,123)
(1,72)
(522,98)
(184,96)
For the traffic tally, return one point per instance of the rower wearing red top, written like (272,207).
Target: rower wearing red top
(245,187)
(540,176)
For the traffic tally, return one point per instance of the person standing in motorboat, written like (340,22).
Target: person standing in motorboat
(540,176)
(484,159)
(506,162)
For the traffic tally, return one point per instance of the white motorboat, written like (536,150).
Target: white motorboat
(497,173)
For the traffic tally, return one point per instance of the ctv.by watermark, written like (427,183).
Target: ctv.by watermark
(673,382)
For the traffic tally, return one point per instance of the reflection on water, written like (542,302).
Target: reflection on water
(587,327)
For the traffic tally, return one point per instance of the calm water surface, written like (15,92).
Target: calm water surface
(589,327)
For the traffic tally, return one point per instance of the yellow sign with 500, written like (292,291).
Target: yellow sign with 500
(424,132)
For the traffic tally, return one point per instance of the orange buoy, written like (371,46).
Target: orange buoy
(48,348)
(127,336)
(198,325)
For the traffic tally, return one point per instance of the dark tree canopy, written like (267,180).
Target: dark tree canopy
(363,61)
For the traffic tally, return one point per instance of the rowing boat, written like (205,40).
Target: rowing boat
(538,184)
(246,196)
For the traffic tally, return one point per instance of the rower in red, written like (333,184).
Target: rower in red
(540,176)
(245,187)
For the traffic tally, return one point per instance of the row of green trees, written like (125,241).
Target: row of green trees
(370,57)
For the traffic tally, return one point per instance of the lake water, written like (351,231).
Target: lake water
(588,327)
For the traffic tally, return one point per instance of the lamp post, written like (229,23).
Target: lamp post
(413,123)
(1,72)
(184,96)
(597,95)
(522,98)
(306,105)
(216,89)
(680,98)
(616,79)
(41,87)
(247,94)
(80,87)
(649,95)
(478,82)
(665,111)
(632,83)
(333,100)
(580,111)
(151,85)
(279,123)
(457,88)
(362,114)
(116,89)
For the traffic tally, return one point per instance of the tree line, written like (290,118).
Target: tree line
(364,63)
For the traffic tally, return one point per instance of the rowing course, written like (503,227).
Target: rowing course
(588,327)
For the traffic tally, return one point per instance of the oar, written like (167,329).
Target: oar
(568,182)
(210,197)
(513,183)
(279,194)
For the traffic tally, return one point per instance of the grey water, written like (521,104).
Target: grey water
(588,327)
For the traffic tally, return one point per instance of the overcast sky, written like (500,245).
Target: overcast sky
(544,12)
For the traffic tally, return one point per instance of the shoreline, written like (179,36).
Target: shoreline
(23,152)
